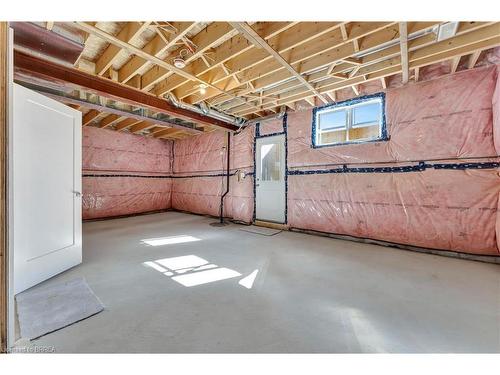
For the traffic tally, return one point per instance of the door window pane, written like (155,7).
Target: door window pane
(270,162)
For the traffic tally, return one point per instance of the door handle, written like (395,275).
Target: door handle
(77,193)
(257,184)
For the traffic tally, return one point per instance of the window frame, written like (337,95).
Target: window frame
(349,105)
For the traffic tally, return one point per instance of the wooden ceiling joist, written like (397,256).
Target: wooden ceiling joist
(473,59)
(213,35)
(156,47)
(139,127)
(261,66)
(243,69)
(28,67)
(391,69)
(110,121)
(470,41)
(126,123)
(245,29)
(228,50)
(90,116)
(403,45)
(162,65)
(320,54)
(128,34)
(370,42)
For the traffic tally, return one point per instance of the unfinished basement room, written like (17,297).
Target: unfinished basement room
(250,186)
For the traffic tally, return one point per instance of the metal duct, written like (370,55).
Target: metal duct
(278,115)
(205,110)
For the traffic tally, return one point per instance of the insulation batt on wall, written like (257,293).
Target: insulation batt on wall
(199,175)
(452,119)
(446,118)
(124,174)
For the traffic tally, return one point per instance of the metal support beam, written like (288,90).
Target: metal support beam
(30,69)
(97,109)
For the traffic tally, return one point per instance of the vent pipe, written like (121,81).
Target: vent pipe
(205,110)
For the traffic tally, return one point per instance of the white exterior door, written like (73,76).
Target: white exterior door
(270,179)
(46,186)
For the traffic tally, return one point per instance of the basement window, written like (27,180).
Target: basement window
(352,121)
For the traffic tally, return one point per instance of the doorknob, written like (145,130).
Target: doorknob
(77,193)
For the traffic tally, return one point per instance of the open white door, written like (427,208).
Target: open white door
(270,179)
(46,185)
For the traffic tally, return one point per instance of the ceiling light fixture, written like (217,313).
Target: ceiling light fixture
(203,89)
(180,61)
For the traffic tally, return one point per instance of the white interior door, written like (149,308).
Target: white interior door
(270,179)
(46,186)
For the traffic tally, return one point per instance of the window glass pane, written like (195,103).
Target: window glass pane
(270,162)
(364,133)
(333,120)
(366,114)
(332,137)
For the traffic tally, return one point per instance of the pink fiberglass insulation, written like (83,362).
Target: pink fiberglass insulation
(446,118)
(496,113)
(441,209)
(199,175)
(117,196)
(118,170)
(108,150)
(271,126)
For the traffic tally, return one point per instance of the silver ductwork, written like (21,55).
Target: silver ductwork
(278,115)
(205,110)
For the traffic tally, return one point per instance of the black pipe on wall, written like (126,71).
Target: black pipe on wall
(221,214)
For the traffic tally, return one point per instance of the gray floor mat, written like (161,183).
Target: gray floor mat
(261,230)
(47,309)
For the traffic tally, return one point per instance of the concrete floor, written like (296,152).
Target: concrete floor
(311,294)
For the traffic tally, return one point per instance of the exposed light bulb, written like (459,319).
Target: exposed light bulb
(203,89)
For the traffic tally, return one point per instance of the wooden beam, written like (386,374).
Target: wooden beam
(473,59)
(29,67)
(332,95)
(156,47)
(90,116)
(484,38)
(165,132)
(383,80)
(245,29)
(231,49)
(343,30)
(403,42)
(125,124)
(204,41)
(161,63)
(110,121)
(355,90)
(50,25)
(454,64)
(141,126)
(127,34)
(4,87)
(311,57)
(415,74)
(240,57)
